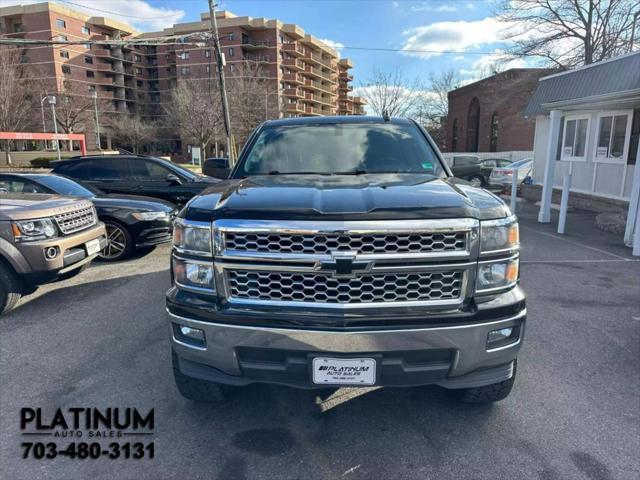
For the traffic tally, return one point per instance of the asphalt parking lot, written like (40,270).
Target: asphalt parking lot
(101,340)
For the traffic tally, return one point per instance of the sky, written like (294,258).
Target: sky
(466,26)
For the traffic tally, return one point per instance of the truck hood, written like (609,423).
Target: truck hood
(344,197)
(24,206)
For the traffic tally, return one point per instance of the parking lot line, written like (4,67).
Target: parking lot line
(558,237)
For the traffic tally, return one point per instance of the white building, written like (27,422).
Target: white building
(588,125)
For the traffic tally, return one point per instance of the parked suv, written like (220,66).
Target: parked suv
(43,237)
(135,175)
(341,252)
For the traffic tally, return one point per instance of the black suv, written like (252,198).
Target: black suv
(135,175)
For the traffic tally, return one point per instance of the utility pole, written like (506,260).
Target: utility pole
(52,102)
(223,88)
(94,95)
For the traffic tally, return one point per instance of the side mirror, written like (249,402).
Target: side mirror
(173,179)
(216,168)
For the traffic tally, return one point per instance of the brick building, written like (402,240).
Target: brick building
(488,115)
(304,76)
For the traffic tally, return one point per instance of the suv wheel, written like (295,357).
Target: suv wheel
(10,288)
(489,393)
(119,242)
(198,390)
(477,180)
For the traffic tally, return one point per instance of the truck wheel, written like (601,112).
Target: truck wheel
(198,390)
(489,393)
(10,289)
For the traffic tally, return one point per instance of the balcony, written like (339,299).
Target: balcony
(293,48)
(102,52)
(293,64)
(249,43)
(258,58)
(294,108)
(293,92)
(312,71)
(312,111)
(292,78)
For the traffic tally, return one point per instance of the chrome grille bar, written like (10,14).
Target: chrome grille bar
(71,222)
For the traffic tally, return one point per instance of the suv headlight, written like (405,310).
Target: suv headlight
(193,238)
(194,275)
(499,235)
(33,230)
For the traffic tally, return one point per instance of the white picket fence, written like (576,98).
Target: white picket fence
(514,156)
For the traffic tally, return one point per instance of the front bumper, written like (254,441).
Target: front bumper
(453,356)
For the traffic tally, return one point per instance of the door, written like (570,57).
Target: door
(110,175)
(156,180)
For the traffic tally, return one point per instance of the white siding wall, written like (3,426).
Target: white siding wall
(609,177)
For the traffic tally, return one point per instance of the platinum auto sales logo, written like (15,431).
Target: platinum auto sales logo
(87,433)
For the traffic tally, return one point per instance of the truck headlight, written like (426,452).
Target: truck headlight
(499,235)
(194,275)
(192,237)
(32,230)
(150,216)
(498,275)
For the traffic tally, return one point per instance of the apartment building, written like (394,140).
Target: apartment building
(304,76)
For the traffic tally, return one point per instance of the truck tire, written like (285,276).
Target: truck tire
(489,393)
(197,390)
(10,288)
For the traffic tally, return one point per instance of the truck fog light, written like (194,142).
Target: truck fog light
(189,335)
(502,337)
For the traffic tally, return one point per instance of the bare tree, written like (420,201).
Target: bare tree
(17,103)
(73,111)
(248,88)
(195,111)
(432,107)
(568,33)
(391,93)
(133,131)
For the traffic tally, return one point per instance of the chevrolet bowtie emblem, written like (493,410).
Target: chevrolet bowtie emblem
(344,265)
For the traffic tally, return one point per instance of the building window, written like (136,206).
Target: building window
(90,74)
(62,38)
(493,141)
(18,28)
(88,60)
(613,136)
(138,71)
(231,36)
(634,144)
(87,46)
(91,88)
(86,30)
(139,83)
(281,38)
(207,54)
(185,56)
(66,69)
(64,54)
(137,58)
(574,140)
(231,67)
(184,70)
(61,23)
(454,135)
(208,68)
(231,52)
(473,125)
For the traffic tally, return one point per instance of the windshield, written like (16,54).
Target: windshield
(520,163)
(65,186)
(335,149)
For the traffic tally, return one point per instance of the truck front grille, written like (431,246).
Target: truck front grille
(76,220)
(358,243)
(345,264)
(370,288)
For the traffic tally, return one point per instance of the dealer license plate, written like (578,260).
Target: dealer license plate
(344,371)
(92,246)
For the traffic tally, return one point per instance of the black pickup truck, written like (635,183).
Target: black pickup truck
(341,252)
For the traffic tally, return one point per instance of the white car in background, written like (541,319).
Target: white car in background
(503,176)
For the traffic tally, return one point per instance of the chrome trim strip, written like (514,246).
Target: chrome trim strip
(356,227)
(375,269)
(184,344)
(284,331)
(505,347)
(305,257)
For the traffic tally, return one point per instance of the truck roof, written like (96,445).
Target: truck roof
(339,119)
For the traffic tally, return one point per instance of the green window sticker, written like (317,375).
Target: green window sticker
(427,166)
